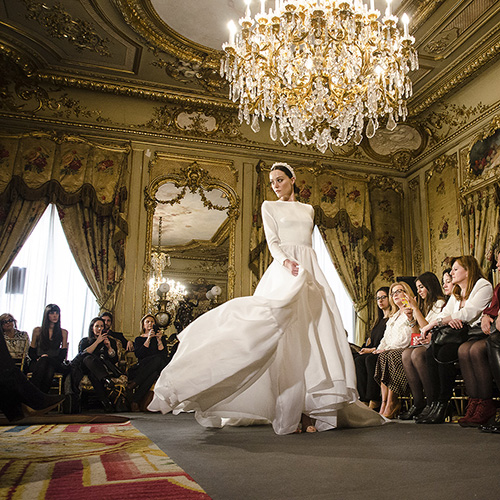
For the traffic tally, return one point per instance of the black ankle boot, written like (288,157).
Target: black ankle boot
(426,413)
(412,413)
(440,414)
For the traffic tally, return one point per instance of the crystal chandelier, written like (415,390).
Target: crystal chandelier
(323,71)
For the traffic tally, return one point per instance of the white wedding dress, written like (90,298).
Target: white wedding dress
(270,357)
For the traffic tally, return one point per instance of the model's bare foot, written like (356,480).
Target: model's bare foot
(307,423)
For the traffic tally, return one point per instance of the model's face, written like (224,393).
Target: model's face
(107,322)
(281,184)
(98,328)
(382,300)
(458,274)
(397,294)
(421,290)
(148,324)
(498,261)
(53,316)
(447,284)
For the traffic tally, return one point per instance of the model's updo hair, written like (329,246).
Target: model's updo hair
(288,171)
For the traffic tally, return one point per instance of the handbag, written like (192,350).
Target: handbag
(445,334)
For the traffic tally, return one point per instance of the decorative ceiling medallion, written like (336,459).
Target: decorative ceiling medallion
(60,24)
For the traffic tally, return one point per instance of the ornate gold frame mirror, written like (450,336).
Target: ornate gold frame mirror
(191,225)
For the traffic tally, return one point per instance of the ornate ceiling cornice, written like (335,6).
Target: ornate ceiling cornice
(468,64)
(142,18)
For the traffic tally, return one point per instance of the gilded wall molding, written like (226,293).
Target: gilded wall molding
(441,121)
(386,183)
(414,184)
(59,23)
(440,164)
(472,182)
(190,175)
(457,29)
(199,121)
(142,18)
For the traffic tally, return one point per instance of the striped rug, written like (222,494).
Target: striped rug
(91,462)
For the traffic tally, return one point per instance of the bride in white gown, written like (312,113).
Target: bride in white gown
(280,356)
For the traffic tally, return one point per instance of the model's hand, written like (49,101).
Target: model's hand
(130,346)
(293,267)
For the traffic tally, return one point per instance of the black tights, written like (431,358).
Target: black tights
(368,389)
(96,371)
(415,366)
(493,348)
(43,373)
(442,373)
(473,357)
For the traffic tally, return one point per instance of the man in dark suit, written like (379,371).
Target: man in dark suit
(107,317)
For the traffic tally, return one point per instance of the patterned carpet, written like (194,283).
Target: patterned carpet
(99,461)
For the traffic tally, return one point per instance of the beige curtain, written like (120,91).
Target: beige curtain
(348,237)
(481,224)
(260,257)
(97,244)
(18,218)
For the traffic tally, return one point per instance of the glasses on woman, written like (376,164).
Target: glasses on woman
(5,321)
(381,297)
(395,293)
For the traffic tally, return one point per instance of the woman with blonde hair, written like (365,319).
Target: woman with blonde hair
(471,295)
(389,372)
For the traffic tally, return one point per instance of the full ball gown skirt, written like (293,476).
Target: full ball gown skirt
(270,357)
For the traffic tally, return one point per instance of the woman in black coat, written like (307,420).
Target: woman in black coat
(151,350)
(98,357)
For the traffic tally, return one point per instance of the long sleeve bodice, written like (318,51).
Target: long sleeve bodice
(397,333)
(478,300)
(287,223)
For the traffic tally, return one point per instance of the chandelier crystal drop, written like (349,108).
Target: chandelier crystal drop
(323,71)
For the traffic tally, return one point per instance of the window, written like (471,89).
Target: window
(344,301)
(45,272)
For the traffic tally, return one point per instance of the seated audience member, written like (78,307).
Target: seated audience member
(151,350)
(107,317)
(98,356)
(17,341)
(471,294)
(48,349)
(389,371)
(475,368)
(19,398)
(493,346)
(429,304)
(365,360)
(447,283)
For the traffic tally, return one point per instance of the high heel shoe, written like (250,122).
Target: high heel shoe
(442,411)
(394,412)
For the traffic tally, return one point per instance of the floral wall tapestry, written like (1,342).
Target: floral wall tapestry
(443,208)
